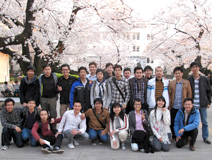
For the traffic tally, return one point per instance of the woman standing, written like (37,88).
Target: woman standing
(118,126)
(160,124)
(101,89)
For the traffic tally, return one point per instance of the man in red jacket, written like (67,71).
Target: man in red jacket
(43,133)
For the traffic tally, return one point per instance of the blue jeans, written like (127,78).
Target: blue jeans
(93,135)
(26,136)
(203,116)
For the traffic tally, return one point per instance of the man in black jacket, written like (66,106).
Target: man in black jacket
(201,95)
(29,87)
(64,86)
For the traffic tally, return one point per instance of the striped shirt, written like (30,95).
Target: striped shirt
(158,89)
(196,93)
(178,95)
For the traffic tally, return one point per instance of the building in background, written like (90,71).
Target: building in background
(4,67)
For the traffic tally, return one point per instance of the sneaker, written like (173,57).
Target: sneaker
(71,145)
(57,150)
(4,148)
(142,150)
(46,150)
(123,147)
(76,143)
(100,142)
(93,142)
(206,140)
(192,148)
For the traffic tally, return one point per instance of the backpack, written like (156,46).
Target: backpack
(54,131)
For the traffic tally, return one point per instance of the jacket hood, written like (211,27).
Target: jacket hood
(32,81)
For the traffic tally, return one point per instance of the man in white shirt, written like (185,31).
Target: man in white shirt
(72,126)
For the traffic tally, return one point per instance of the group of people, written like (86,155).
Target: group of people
(104,105)
(9,90)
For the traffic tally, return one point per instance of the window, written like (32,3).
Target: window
(136,48)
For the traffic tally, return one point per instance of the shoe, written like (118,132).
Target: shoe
(57,150)
(76,143)
(46,150)
(123,147)
(192,148)
(4,148)
(71,146)
(142,150)
(93,142)
(206,140)
(100,142)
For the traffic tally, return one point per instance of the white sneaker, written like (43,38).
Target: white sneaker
(4,148)
(71,145)
(76,143)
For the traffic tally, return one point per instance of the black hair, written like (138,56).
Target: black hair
(112,114)
(118,66)
(93,63)
(98,100)
(194,64)
(44,110)
(100,70)
(127,69)
(16,81)
(148,67)
(82,68)
(158,99)
(78,101)
(109,64)
(9,100)
(5,82)
(188,99)
(30,99)
(30,68)
(64,65)
(138,68)
(178,69)
(46,65)
(137,100)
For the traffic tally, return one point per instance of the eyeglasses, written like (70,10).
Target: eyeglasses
(65,69)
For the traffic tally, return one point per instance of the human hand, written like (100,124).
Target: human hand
(41,141)
(25,104)
(208,106)
(181,131)
(57,134)
(82,116)
(52,120)
(178,138)
(114,143)
(103,133)
(164,109)
(40,108)
(17,129)
(59,88)
(112,133)
(74,132)
(160,139)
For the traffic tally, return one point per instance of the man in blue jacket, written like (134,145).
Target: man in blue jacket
(186,124)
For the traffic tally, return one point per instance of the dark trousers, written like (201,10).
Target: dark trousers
(173,115)
(8,134)
(184,139)
(53,141)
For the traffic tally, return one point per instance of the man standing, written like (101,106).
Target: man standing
(72,126)
(148,72)
(109,71)
(11,123)
(138,88)
(157,87)
(92,68)
(48,90)
(80,90)
(179,89)
(120,88)
(201,93)
(127,73)
(186,124)
(29,87)
(64,86)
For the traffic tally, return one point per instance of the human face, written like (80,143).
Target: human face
(178,75)
(109,69)
(30,73)
(159,73)
(31,105)
(117,110)
(137,106)
(195,69)
(82,74)
(43,115)
(100,76)
(65,71)
(9,107)
(138,73)
(188,106)
(160,103)
(47,71)
(77,107)
(148,73)
(118,72)
(92,68)
(98,105)
(127,74)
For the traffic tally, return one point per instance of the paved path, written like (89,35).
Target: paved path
(103,152)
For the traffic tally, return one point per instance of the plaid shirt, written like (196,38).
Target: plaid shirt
(11,120)
(138,92)
(124,86)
